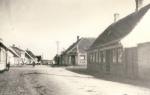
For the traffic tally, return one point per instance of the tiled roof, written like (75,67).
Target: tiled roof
(120,29)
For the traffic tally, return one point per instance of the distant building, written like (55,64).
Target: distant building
(76,54)
(124,47)
(47,62)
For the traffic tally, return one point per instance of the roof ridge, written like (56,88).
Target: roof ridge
(120,28)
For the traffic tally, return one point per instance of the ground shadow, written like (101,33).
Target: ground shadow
(108,77)
(62,75)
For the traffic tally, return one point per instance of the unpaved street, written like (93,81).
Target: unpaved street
(43,80)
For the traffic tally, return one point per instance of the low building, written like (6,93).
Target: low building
(47,62)
(76,54)
(123,48)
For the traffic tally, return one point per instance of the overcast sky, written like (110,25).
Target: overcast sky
(38,24)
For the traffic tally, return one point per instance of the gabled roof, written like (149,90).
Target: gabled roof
(13,52)
(85,43)
(3,45)
(30,54)
(118,30)
(17,50)
(70,47)
(82,44)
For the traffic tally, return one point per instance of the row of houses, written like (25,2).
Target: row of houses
(124,47)
(15,56)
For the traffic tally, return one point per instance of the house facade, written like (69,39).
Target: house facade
(3,56)
(76,54)
(123,48)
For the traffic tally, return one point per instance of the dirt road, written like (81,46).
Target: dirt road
(43,80)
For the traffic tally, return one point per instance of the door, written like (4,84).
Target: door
(108,60)
(73,59)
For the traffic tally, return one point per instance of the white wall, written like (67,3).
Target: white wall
(140,34)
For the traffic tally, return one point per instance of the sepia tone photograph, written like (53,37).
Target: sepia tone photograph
(74,47)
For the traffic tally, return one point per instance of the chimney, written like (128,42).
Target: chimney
(14,45)
(116,17)
(139,4)
(78,38)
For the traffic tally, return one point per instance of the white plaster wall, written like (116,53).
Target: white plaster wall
(140,34)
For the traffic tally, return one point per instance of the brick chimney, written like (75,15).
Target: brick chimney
(139,4)
(116,17)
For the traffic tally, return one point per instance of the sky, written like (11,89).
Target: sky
(39,24)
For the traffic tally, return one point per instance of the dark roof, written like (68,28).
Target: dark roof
(83,44)
(30,53)
(3,45)
(70,47)
(118,30)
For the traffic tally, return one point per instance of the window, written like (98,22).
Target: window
(94,57)
(99,57)
(82,57)
(120,53)
(114,56)
(91,58)
(96,54)
(103,56)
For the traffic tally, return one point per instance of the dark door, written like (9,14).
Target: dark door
(73,59)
